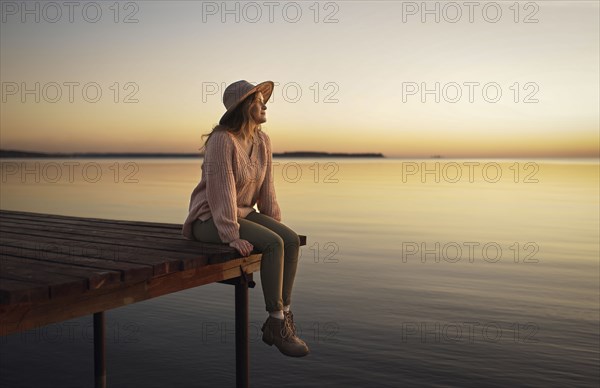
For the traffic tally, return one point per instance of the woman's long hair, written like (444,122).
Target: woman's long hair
(239,122)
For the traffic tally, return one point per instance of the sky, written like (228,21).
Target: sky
(500,79)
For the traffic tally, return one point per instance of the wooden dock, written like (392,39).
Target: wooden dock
(55,268)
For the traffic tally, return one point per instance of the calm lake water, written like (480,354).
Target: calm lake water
(464,273)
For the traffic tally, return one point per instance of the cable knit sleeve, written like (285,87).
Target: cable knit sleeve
(220,186)
(267,200)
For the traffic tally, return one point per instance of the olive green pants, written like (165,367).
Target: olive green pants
(279,245)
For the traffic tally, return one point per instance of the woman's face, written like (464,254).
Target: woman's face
(258,110)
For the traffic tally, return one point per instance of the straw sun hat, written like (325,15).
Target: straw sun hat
(236,93)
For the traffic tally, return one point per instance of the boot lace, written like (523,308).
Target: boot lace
(288,331)
(289,316)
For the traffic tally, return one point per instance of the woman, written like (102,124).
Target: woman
(236,175)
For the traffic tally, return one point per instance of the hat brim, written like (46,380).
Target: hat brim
(266,88)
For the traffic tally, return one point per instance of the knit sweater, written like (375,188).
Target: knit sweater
(232,183)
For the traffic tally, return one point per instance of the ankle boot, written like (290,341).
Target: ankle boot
(279,332)
(290,316)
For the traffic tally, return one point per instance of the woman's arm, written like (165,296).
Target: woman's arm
(267,200)
(220,186)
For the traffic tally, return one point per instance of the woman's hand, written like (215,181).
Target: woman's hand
(243,246)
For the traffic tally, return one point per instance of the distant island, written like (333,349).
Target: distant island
(295,154)
(305,154)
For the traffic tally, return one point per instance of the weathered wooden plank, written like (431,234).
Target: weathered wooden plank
(164,230)
(20,317)
(163,259)
(129,271)
(18,291)
(113,238)
(159,261)
(88,231)
(96,278)
(58,217)
(59,285)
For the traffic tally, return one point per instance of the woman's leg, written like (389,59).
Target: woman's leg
(278,265)
(277,272)
(291,244)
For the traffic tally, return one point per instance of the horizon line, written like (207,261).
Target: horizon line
(33,154)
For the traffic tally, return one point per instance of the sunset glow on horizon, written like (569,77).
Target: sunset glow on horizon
(357,77)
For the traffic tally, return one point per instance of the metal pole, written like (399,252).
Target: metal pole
(242,354)
(99,351)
